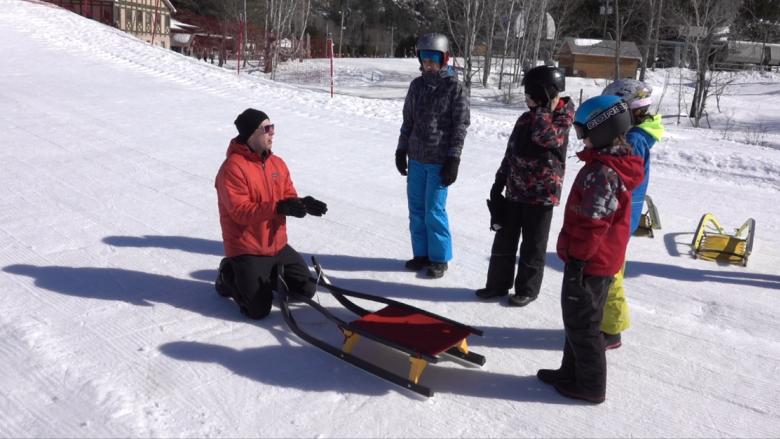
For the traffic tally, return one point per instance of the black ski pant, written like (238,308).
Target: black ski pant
(533,222)
(255,277)
(582,304)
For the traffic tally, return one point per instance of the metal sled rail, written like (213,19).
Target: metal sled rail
(383,327)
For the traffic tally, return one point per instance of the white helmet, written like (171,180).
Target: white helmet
(636,93)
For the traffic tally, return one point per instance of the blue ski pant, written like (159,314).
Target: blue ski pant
(428,222)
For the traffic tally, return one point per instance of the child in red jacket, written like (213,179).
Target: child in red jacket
(593,243)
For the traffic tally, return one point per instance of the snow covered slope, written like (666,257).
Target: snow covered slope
(109,243)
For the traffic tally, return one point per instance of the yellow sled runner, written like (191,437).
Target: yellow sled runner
(649,220)
(718,246)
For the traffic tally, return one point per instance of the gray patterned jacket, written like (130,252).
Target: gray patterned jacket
(436,116)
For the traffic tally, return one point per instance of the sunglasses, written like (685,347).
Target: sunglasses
(267,129)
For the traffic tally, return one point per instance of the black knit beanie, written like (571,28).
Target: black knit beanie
(248,121)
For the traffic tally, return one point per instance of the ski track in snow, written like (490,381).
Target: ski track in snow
(110,241)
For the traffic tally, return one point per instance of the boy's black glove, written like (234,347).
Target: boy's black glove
(449,171)
(314,207)
(400,160)
(572,279)
(497,204)
(291,207)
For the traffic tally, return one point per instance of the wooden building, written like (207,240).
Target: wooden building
(588,58)
(136,17)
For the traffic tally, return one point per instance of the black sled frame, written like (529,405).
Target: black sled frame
(356,329)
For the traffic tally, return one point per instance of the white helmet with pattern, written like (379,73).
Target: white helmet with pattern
(636,93)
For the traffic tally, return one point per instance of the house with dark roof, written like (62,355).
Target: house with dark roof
(146,19)
(588,58)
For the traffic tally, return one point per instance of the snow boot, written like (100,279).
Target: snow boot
(417,263)
(551,376)
(611,341)
(224,281)
(437,269)
(520,301)
(573,389)
(489,293)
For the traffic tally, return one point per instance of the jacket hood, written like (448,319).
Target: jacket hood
(653,127)
(239,147)
(631,168)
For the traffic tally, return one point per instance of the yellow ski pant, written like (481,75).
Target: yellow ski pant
(616,317)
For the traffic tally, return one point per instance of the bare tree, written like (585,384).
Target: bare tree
(566,23)
(490,28)
(540,18)
(701,21)
(625,12)
(720,83)
(651,34)
(463,19)
(659,14)
(508,24)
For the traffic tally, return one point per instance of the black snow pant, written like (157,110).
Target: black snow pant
(255,277)
(533,221)
(582,304)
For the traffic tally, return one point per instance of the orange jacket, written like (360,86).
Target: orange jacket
(248,187)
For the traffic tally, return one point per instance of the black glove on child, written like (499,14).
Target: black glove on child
(577,264)
(497,204)
(400,160)
(291,207)
(449,171)
(572,278)
(314,207)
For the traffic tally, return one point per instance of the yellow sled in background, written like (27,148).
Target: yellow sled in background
(718,246)
(649,220)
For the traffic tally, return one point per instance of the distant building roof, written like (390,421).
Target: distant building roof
(745,52)
(182,40)
(170,6)
(584,46)
(178,25)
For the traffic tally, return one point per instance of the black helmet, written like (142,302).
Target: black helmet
(544,82)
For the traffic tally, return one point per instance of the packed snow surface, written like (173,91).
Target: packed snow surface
(110,241)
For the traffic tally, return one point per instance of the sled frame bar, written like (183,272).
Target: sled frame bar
(341,296)
(699,239)
(418,358)
(648,221)
(285,295)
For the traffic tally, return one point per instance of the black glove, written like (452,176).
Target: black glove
(572,280)
(291,207)
(449,171)
(576,264)
(400,160)
(314,207)
(497,204)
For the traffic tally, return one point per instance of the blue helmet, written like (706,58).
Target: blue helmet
(602,119)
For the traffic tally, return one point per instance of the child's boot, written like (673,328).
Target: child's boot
(611,341)
(550,376)
(489,293)
(437,269)
(574,390)
(417,263)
